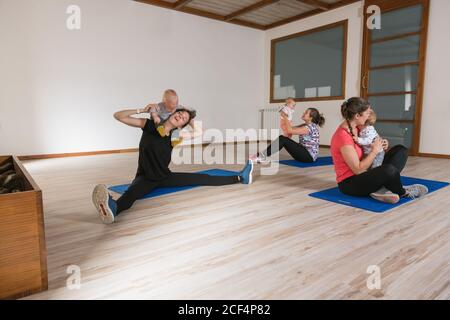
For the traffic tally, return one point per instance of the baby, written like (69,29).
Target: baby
(288,109)
(161,112)
(367,136)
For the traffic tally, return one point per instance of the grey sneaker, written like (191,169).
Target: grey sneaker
(416,191)
(386,196)
(259,158)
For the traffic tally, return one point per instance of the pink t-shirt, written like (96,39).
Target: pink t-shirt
(341,138)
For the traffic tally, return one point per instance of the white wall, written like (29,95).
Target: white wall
(59,88)
(330,109)
(435,133)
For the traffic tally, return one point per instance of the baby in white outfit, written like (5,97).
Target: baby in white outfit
(367,136)
(288,109)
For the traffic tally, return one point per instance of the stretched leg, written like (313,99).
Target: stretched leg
(364,184)
(181,179)
(138,188)
(297,151)
(275,146)
(397,156)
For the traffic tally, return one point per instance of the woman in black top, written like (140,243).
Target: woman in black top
(155,152)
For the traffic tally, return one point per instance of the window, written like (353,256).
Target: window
(310,65)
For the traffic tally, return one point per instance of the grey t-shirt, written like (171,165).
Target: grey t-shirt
(162,111)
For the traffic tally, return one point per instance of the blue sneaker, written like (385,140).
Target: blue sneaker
(104,203)
(247,173)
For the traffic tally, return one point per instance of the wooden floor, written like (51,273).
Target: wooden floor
(268,240)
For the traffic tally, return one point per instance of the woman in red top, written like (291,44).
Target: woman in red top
(353,173)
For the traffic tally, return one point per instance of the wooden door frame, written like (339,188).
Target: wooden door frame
(386,6)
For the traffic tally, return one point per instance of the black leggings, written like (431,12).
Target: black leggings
(387,175)
(295,149)
(142,186)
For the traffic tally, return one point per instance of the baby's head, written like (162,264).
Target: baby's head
(290,102)
(372,119)
(170,98)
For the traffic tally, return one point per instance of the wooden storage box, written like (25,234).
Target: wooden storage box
(23,257)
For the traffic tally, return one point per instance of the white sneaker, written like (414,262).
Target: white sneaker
(416,191)
(106,207)
(385,196)
(259,158)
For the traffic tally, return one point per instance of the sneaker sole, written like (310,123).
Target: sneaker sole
(386,198)
(100,197)
(264,163)
(250,175)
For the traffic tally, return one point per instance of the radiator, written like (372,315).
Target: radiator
(269,118)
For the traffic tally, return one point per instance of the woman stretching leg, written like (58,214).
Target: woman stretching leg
(307,149)
(142,186)
(155,152)
(296,150)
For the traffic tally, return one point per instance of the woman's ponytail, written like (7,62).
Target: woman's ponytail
(317,117)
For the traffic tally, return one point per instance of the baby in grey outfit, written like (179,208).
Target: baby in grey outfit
(367,136)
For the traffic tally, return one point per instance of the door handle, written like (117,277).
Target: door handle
(363,82)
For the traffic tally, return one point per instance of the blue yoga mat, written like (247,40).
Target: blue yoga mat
(369,204)
(163,191)
(321,161)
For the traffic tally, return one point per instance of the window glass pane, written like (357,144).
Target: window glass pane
(395,51)
(396,133)
(399,22)
(310,65)
(402,107)
(394,79)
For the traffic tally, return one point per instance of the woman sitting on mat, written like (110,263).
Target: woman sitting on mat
(155,152)
(307,149)
(353,173)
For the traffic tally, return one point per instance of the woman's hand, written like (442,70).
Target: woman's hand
(377,145)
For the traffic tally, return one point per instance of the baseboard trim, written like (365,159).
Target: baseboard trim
(75,154)
(95,153)
(434,155)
